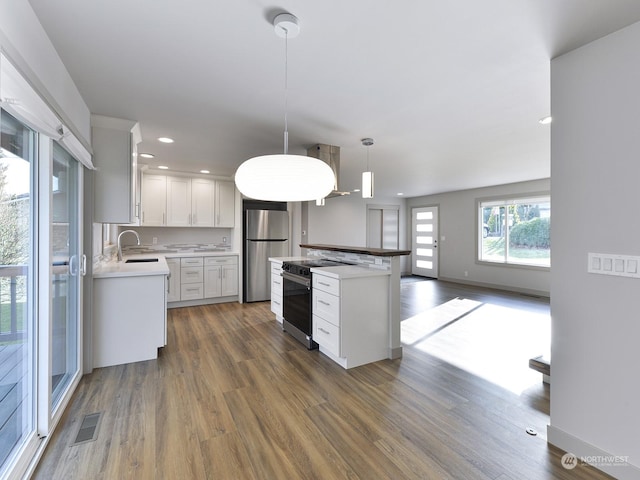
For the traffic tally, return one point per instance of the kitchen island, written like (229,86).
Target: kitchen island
(382,258)
(356,306)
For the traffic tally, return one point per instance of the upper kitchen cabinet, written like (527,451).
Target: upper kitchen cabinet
(202,202)
(114,142)
(154,200)
(225,204)
(178,202)
(183,201)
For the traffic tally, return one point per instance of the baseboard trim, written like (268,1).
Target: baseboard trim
(585,452)
(510,289)
(395,352)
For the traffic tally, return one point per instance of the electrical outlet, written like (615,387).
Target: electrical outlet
(224,239)
(155,240)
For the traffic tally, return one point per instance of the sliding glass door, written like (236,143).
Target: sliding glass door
(18,157)
(40,271)
(66,271)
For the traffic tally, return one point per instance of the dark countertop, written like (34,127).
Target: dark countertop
(378,252)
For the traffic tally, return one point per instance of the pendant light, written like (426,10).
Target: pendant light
(285,177)
(367,177)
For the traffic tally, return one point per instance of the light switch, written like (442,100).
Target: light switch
(607,264)
(619,265)
(632,266)
(595,263)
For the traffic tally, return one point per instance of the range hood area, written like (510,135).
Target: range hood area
(330,154)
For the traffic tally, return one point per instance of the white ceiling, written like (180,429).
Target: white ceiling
(451,91)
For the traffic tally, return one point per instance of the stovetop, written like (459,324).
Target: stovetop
(303,267)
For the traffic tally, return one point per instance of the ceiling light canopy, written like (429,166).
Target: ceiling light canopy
(284,177)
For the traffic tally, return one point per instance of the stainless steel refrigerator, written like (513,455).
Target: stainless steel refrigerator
(266,234)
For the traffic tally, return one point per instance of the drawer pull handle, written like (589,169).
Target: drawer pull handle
(324,284)
(323,331)
(277,303)
(324,303)
(192,289)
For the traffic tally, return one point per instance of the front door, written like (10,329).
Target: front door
(424,251)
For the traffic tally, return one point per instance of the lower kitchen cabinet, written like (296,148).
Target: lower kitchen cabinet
(350,318)
(276,289)
(202,278)
(220,276)
(129,319)
(191,278)
(173,285)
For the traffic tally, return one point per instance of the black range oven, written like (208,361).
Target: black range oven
(296,301)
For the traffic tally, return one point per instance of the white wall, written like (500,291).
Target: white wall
(24,41)
(457,250)
(595,169)
(343,221)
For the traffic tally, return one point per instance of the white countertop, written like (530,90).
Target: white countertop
(123,269)
(199,254)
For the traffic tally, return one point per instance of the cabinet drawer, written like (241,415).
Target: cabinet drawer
(191,262)
(220,261)
(192,291)
(326,335)
(326,306)
(191,275)
(276,283)
(276,268)
(326,284)
(276,303)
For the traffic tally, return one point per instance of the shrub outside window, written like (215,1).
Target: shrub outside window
(515,231)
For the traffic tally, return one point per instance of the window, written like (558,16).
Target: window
(515,231)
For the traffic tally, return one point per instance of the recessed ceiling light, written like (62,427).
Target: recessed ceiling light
(163,167)
(205,171)
(545,120)
(165,140)
(399,194)
(147,155)
(355,190)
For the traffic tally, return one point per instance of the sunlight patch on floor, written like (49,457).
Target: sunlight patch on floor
(491,341)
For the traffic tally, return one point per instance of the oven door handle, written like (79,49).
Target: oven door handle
(296,279)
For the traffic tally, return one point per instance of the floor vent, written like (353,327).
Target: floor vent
(88,431)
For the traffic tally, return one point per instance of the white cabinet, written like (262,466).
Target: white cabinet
(220,276)
(130,319)
(114,143)
(225,204)
(202,202)
(178,201)
(154,200)
(191,278)
(173,289)
(276,289)
(350,318)
(187,202)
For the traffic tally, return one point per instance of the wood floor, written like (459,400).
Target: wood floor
(232,397)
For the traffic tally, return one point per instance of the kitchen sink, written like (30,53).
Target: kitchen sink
(141,260)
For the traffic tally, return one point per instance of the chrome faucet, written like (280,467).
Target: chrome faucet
(120,246)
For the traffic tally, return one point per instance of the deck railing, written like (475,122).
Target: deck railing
(12,293)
